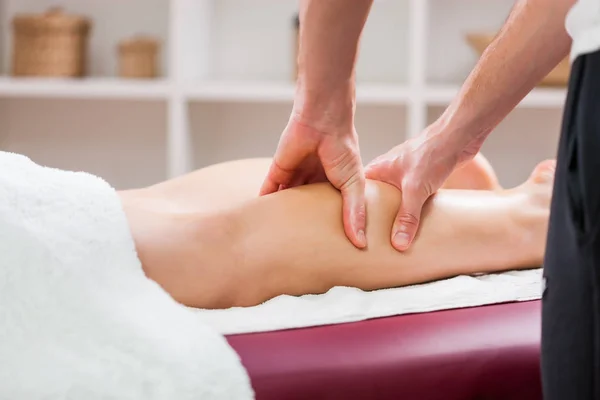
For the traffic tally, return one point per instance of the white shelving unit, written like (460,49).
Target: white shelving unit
(227,89)
(96,88)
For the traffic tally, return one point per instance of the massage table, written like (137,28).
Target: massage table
(488,352)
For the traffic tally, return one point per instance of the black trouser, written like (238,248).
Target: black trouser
(571,299)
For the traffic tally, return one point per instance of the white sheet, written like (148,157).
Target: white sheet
(78,318)
(343,304)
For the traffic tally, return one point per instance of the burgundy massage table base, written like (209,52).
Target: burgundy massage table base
(489,352)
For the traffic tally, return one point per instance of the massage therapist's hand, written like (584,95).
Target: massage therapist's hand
(418,168)
(319,142)
(315,152)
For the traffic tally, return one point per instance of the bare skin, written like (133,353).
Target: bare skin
(210,242)
(476,174)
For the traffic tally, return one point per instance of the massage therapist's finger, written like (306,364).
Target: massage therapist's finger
(269,186)
(285,166)
(380,170)
(276,179)
(354,211)
(407,220)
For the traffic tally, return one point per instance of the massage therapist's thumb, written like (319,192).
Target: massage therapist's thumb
(354,211)
(407,221)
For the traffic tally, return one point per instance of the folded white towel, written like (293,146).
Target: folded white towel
(78,317)
(343,304)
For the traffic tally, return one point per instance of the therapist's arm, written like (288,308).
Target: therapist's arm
(320,142)
(531,43)
(330,32)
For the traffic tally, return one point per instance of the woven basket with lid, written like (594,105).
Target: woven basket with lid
(52,44)
(138,57)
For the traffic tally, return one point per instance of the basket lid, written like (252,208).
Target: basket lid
(139,42)
(52,19)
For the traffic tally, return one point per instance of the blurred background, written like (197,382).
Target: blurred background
(137,91)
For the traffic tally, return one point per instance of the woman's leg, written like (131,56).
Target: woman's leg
(476,174)
(224,185)
(292,242)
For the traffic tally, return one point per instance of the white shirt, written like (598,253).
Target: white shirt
(583,24)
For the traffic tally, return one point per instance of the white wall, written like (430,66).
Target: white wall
(121,141)
(232,131)
(450,58)
(255,41)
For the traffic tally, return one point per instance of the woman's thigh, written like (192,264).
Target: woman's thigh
(211,189)
(224,185)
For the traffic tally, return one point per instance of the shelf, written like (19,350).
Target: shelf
(365,94)
(87,88)
(284,92)
(242,92)
(239,91)
(538,98)
(392,94)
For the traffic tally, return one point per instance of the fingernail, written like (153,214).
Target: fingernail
(362,238)
(400,240)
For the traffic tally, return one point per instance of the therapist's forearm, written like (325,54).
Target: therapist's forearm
(530,44)
(330,31)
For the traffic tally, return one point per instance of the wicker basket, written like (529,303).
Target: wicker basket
(559,76)
(53,44)
(138,57)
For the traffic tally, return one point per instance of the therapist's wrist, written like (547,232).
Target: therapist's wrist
(460,142)
(462,129)
(328,108)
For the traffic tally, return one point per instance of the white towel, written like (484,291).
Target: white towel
(343,304)
(78,318)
